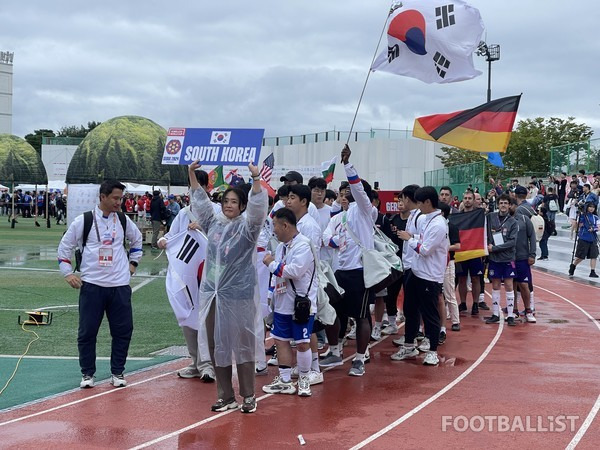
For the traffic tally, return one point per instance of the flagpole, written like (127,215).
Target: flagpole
(368,74)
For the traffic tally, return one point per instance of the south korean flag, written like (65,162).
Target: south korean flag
(185,252)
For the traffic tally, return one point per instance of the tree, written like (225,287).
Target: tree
(35,139)
(529,147)
(78,131)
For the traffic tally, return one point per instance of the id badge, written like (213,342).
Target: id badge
(498,239)
(105,256)
(281,288)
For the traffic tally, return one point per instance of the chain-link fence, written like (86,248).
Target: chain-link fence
(571,158)
(458,178)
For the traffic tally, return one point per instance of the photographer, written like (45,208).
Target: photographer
(588,196)
(587,246)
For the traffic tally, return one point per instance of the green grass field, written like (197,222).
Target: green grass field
(28,247)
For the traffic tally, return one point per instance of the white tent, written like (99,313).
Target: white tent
(3,188)
(52,186)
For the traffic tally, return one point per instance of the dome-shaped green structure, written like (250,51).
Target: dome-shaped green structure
(19,162)
(126,148)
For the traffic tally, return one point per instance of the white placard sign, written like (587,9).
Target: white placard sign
(81,198)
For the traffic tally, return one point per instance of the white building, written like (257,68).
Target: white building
(6,73)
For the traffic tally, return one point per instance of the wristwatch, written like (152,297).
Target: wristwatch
(133,263)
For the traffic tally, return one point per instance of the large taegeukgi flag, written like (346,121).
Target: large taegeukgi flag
(472,232)
(485,128)
(432,41)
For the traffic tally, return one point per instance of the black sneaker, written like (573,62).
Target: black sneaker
(442,337)
(482,305)
(455,327)
(224,405)
(511,322)
(475,309)
(593,274)
(572,270)
(249,405)
(462,307)
(493,319)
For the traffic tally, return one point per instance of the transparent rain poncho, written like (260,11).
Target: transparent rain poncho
(229,279)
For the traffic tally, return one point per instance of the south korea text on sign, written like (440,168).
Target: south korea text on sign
(214,147)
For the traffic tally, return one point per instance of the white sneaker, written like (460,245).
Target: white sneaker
(315,377)
(188,372)
(208,375)
(278,386)
(376,333)
(118,380)
(424,345)
(304,386)
(530,318)
(273,361)
(295,372)
(352,333)
(400,318)
(392,328)
(405,353)
(431,359)
(87,381)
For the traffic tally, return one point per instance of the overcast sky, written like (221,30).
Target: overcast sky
(291,67)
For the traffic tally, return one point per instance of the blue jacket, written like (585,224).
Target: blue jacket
(585,222)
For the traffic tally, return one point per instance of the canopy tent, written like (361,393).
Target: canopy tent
(53,186)
(19,162)
(127,148)
(3,188)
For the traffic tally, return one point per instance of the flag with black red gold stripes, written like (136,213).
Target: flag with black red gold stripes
(485,128)
(472,233)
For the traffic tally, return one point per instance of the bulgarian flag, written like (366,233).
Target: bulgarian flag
(485,128)
(472,232)
(215,178)
(327,169)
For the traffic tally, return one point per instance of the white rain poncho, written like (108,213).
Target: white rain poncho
(229,279)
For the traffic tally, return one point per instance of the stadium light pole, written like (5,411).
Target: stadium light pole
(491,53)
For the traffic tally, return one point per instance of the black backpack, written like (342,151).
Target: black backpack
(88,220)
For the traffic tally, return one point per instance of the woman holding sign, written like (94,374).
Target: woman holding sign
(229,301)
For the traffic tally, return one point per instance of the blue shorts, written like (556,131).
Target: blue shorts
(285,329)
(473,266)
(501,270)
(523,271)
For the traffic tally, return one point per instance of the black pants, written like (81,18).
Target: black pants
(421,300)
(391,299)
(93,302)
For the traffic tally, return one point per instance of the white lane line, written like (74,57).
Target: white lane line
(434,397)
(569,280)
(218,416)
(91,397)
(43,308)
(103,358)
(37,269)
(592,414)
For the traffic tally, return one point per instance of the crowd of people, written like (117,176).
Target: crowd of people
(29,204)
(293,267)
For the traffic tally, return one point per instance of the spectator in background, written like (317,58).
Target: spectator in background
(173,208)
(157,212)
(330,197)
(551,205)
(587,246)
(549,230)
(561,188)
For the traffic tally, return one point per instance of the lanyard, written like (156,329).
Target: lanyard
(114,231)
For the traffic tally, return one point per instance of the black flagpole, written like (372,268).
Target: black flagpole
(392,9)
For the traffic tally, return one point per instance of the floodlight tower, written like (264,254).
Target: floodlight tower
(491,53)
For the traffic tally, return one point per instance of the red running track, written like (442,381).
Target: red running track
(488,373)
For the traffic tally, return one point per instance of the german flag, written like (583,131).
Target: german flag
(472,232)
(485,128)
